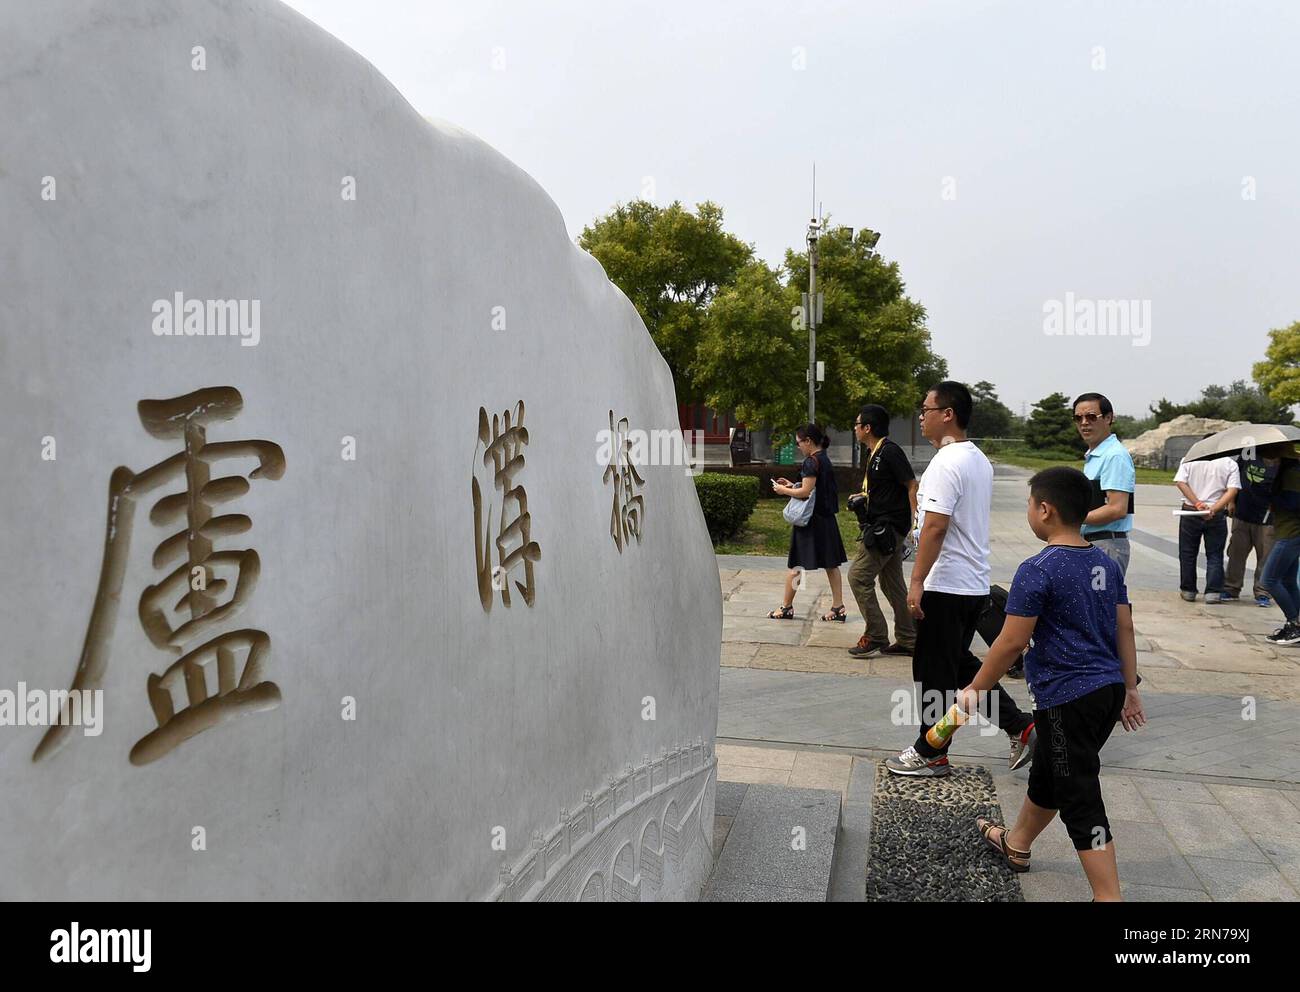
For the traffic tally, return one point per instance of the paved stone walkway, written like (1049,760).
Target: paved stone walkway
(1205,800)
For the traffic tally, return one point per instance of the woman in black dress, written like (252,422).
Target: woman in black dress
(818,543)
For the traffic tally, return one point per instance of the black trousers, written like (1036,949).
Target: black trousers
(942,662)
(1191,532)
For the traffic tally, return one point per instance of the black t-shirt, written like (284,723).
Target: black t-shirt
(887,476)
(1257,478)
(827,493)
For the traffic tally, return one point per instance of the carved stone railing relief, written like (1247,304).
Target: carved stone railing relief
(617,843)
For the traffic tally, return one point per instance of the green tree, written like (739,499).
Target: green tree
(1164,411)
(753,354)
(1238,401)
(1242,401)
(1278,374)
(1130,427)
(671,263)
(991,417)
(1051,425)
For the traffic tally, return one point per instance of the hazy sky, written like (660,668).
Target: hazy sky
(1009,152)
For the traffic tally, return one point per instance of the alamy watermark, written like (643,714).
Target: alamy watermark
(908,708)
(49,707)
(639,448)
(1099,318)
(179,317)
(126,946)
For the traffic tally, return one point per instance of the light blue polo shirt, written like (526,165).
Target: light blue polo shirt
(1112,466)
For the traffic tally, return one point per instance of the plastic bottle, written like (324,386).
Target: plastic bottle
(937,736)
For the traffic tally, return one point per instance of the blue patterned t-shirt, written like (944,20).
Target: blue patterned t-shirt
(1073,592)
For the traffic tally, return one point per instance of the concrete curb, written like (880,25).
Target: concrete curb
(779,849)
(849,867)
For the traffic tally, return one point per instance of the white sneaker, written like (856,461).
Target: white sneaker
(912,762)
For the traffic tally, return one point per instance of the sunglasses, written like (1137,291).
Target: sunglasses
(1079,418)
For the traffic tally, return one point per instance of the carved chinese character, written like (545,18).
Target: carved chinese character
(628,515)
(188,602)
(503,441)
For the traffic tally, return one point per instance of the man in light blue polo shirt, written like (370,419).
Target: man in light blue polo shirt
(1109,467)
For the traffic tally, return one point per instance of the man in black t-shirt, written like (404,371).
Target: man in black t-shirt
(1252,525)
(889,491)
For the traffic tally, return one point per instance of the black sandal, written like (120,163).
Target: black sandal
(784,613)
(1017,861)
(836,615)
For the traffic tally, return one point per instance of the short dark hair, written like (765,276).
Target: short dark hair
(811,432)
(954,395)
(1102,403)
(876,417)
(1067,489)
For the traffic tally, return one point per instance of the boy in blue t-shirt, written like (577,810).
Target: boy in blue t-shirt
(1068,603)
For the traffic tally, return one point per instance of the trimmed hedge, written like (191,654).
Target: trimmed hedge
(848,478)
(727,502)
(993,449)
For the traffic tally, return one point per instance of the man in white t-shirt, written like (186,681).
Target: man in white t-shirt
(950,582)
(1209,486)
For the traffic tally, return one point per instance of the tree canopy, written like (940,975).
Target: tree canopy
(1238,401)
(671,263)
(990,417)
(1278,374)
(1050,426)
(731,327)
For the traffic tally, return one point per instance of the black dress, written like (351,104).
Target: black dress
(818,543)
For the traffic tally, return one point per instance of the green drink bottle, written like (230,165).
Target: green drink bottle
(938,735)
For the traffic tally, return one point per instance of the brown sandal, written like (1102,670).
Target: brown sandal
(1017,861)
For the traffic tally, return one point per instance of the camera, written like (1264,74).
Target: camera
(858,504)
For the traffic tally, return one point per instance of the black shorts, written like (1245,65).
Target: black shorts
(1067,763)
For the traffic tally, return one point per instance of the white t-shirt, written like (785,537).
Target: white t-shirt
(1210,480)
(959,482)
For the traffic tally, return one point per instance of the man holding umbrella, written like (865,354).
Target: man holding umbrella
(1252,524)
(1250,441)
(1279,576)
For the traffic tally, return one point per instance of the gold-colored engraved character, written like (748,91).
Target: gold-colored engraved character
(628,515)
(195,587)
(503,441)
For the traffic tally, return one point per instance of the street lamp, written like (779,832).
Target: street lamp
(811,312)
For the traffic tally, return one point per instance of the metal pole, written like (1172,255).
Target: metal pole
(813,228)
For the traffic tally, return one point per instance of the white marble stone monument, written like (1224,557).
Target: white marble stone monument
(305,498)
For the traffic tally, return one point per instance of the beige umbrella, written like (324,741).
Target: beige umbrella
(1244,437)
